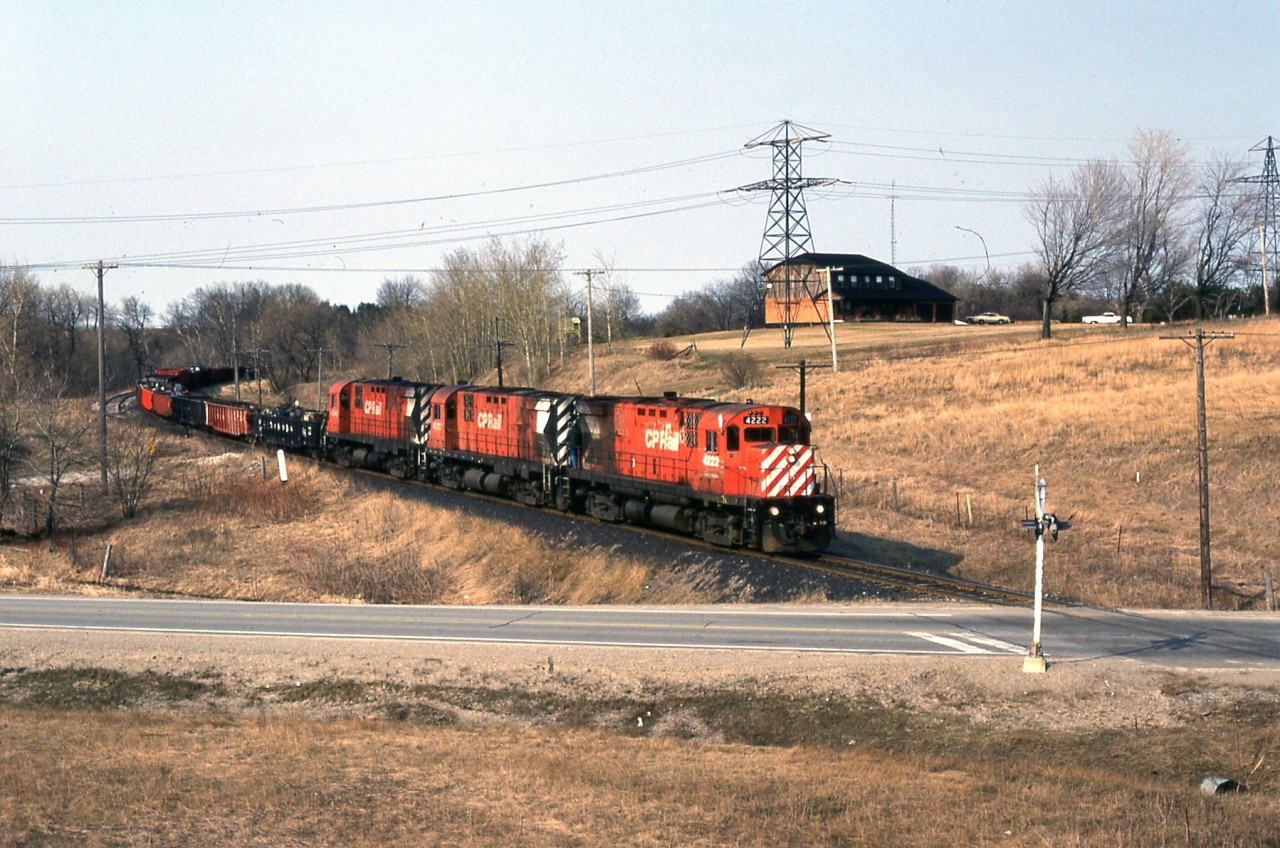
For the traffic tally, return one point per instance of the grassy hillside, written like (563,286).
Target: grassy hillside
(931,432)
(934,431)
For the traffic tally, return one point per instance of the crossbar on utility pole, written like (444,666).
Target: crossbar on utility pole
(102,268)
(1196,342)
(391,352)
(803,368)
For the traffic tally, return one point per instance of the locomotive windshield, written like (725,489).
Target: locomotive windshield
(786,434)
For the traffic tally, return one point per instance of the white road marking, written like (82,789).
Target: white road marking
(956,644)
(1006,647)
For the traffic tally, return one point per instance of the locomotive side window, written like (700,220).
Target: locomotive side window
(760,434)
(435,410)
(711,441)
(731,438)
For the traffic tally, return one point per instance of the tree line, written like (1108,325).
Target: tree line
(1157,236)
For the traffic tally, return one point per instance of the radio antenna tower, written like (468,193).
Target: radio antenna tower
(1269,199)
(786,231)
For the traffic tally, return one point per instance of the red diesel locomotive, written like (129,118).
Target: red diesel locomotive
(731,473)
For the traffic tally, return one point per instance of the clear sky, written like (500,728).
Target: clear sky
(347,142)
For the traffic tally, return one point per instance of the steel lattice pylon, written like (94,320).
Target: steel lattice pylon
(1269,200)
(786,233)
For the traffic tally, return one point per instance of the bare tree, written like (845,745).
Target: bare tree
(298,324)
(10,450)
(1152,223)
(58,430)
(1224,232)
(518,283)
(213,321)
(66,310)
(407,292)
(130,463)
(19,299)
(132,321)
(1075,223)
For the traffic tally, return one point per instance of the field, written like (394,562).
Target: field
(133,739)
(933,433)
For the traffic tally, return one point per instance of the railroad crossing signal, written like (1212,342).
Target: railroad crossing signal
(1044,523)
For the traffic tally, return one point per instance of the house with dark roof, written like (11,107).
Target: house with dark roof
(863,289)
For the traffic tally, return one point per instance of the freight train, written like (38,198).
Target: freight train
(734,474)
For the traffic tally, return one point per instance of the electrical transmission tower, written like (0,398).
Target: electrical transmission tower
(786,232)
(1269,198)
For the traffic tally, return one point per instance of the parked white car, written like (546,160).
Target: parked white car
(1105,318)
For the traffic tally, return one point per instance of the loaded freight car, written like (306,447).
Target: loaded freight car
(189,411)
(228,417)
(290,427)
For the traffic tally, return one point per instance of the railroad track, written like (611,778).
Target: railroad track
(889,576)
(925,582)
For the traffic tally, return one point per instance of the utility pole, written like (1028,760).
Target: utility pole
(831,317)
(498,345)
(391,352)
(1206,567)
(804,368)
(319,352)
(102,268)
(591,353)
(235,354)
(257,368)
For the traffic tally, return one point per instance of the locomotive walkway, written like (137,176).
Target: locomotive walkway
(1191,640)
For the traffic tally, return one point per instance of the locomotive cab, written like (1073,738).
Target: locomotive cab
(766,456)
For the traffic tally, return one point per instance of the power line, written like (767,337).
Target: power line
(372,204)
(367,162)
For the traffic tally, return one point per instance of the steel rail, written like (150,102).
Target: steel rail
(835,565)
(926,582)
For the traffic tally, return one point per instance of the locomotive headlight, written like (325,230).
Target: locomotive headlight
(774,511)
(820,509)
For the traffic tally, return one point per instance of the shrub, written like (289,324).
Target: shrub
(661,350)
(739,370)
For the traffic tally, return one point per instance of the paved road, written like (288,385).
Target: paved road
(1182,639)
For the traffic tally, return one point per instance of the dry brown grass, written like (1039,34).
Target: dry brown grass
(111,778)
(933,432)
(927,424)
(215,526)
